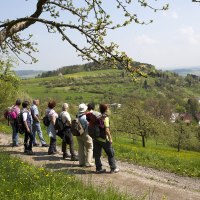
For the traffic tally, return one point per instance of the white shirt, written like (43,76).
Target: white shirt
(66,118)
(25,114)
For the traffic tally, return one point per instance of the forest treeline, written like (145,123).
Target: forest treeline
(92,66)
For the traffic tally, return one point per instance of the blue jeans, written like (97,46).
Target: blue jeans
(37,129)
(107,146)
(14,134)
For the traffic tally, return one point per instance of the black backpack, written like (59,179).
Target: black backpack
(59,125)
(20,126)
(46,120)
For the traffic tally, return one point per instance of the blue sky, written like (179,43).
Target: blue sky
(172,41)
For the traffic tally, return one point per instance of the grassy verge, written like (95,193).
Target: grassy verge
(160,157)
(21,181)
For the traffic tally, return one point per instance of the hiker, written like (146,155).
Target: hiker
(36,128)
(85,144)
(67,137)
(91,111)
(104,143)
(13,123)
(52,115)
(28,135)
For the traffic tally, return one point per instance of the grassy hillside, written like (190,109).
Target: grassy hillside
(111,86)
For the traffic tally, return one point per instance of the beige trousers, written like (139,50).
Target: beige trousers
(85,149)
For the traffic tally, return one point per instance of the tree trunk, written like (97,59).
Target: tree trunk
(16,26)
(179,146)
(143,141)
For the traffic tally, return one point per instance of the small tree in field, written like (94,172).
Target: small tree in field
(181,133)
(136,121)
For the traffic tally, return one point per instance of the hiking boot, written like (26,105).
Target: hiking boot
(74,158)
(26,151)
(65,156)
(51,153)
(89,165)
(30,152)
(45,145)
(36,145)
(100,171)
(116,170)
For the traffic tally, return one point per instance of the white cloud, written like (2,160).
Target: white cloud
(144,40)
(190,35)
(169,14)
(174,15)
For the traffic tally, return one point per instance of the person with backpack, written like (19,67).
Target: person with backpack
(91,112)
(13,122)
(67,135)
(27,122)
(36,128)
(104,141)
(52,115)
(85,144)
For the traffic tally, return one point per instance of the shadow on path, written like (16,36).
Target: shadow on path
(70,168)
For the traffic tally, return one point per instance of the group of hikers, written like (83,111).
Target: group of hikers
(89,146)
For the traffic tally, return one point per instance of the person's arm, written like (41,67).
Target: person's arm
(35,117)
(107,129)
(109,134)
(84,122)
(26,126)
(25,115)
(67,119)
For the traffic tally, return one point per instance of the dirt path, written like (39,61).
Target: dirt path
(134,180)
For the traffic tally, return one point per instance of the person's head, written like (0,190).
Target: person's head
(25,104)
(82,108)
(36,102)
(51,104)
(91,106)
(103,108)
(18,102)
(65,106)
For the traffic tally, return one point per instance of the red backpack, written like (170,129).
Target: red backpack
(96,127)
